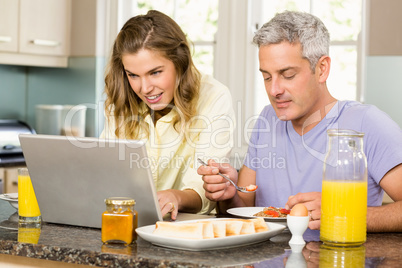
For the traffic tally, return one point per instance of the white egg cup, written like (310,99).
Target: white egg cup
(296,258)
(297,226)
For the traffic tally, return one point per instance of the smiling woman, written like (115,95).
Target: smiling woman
(156,94)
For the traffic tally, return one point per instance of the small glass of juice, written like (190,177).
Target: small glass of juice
(28,208)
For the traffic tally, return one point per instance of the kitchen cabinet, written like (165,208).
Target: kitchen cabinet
(9,178)
(9,25)
(35,32)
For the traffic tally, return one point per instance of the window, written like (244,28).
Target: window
(343,21)
(237,57)
(197,18)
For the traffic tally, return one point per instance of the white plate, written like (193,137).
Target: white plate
(12,198)
(248,212)
(146,233)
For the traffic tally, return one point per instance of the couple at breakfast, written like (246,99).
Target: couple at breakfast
(154,92)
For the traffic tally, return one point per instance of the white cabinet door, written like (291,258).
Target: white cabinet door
(9,25)
(45,27)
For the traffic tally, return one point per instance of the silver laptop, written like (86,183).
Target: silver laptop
(73,176)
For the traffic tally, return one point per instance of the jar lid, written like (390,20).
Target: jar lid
(119,201)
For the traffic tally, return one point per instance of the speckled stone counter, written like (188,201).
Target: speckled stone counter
(83,246)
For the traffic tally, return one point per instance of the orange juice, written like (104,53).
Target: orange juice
(29,235)
(342,256)
(27,203)
(343,212)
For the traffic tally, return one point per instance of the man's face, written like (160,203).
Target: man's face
(292,88)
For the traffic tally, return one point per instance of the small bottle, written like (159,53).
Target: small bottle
(119,221)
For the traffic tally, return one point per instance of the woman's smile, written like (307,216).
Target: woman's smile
(154,98)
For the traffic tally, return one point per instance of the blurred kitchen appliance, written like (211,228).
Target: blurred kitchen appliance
(10,148)
(73,120)
(48,119)
(68,120)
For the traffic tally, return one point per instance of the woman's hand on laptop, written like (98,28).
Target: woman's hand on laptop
(171,201)
(168,203)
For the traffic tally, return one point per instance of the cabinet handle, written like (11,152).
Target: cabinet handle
(5,39)
(48,43)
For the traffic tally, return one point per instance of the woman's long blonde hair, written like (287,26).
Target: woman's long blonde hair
(156,32)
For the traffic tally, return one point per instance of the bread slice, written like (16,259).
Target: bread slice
(219,228)
(233,227)
(193,230)
(208,230)
(248,227)
(260,225)
(211,229)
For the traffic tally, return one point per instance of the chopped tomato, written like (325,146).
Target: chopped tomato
(251,187)
(284,211)
(272,213)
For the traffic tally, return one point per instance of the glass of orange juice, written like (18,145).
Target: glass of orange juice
(28,208)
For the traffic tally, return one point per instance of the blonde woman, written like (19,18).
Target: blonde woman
(156,94)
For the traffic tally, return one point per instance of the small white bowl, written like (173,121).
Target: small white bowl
(12,198)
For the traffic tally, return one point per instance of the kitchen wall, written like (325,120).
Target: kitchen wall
(22,88)
(384,59)
(13,92)
(384,85)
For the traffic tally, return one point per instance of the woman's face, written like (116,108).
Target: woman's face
(152,77)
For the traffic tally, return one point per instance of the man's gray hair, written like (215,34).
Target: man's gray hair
(296,27)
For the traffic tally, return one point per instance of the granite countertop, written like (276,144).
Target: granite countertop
(83,246)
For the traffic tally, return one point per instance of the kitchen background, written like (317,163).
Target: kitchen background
(90,25)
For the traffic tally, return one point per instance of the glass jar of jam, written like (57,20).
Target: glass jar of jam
(119,221)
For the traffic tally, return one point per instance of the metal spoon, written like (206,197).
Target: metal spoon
(240,189)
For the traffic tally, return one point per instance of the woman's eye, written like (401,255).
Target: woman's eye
(156,72)
(132,75)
